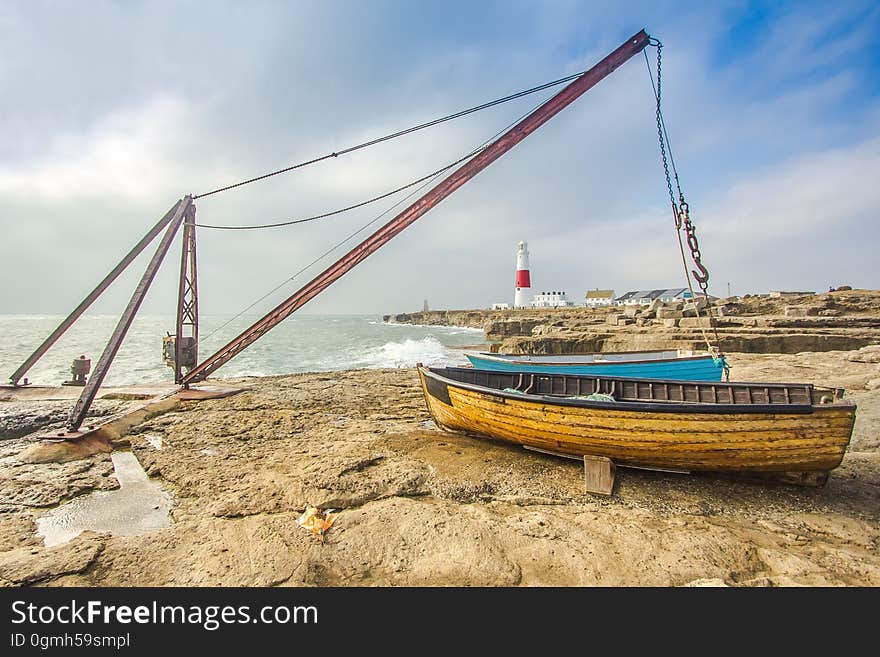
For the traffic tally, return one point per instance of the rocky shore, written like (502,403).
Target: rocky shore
(835,321)
(419,506)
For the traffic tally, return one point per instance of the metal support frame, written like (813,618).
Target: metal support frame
(91,388)
(94,294)
(187,298)
(459,177)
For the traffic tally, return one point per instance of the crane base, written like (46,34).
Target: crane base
(199,394)
(68,435)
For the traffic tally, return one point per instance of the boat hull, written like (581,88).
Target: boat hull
(687,368)
(800,438)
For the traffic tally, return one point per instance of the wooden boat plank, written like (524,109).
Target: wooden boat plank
(771,438)
(683,435)
(586,418)
(690,457)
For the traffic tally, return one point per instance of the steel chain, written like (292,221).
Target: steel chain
(680,210)
(675,210)
(702,277)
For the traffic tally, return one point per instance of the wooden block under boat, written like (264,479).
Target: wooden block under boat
(598,474)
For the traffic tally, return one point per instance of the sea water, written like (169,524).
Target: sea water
(302,343)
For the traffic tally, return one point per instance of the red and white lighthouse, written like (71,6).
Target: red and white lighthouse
(523,281)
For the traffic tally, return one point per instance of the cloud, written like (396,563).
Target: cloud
(835,188)
(130,154)
(774,141)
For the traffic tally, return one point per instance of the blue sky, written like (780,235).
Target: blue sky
(113,110)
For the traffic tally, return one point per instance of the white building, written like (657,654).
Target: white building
(775,294)
(550,300)
(645,297)
(596,298)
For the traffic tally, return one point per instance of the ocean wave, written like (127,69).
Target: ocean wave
(408,353)
(442,327)
(243,373)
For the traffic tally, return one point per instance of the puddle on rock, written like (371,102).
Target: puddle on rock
(137,507)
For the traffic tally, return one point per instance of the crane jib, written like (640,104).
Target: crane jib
(447,186)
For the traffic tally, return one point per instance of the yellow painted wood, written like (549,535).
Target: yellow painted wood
(773,442)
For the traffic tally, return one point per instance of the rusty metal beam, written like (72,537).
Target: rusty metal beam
(91,388)
(459,177)
(94,294)
(187,298)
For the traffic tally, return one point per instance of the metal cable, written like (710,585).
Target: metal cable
(399,133)
(473,153)
(341,210)
(665,146)
(664,149)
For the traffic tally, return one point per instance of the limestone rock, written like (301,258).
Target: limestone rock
(707,582)
(26,566)
(669,313)
(62,451)
(697,322)
(869,354)
(801,311)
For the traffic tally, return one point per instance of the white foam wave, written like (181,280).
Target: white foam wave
(437,327)
(407,353)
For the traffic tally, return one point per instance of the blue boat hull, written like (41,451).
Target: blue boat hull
(699,368)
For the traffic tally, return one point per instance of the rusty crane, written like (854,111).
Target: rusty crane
(182,348)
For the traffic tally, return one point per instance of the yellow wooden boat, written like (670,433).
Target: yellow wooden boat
(797,429)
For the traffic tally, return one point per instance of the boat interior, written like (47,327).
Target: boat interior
(643,390)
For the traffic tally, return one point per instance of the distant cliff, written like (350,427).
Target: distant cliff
(520,321)
(468,318)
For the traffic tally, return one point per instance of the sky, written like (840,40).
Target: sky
(111,111)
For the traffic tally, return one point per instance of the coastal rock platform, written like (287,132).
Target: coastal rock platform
(419,506)
(834,321)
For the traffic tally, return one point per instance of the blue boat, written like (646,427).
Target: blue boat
(671,364)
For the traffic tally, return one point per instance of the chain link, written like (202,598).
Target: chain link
(681,213)
(675,211)
(680,208)
(702,277)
